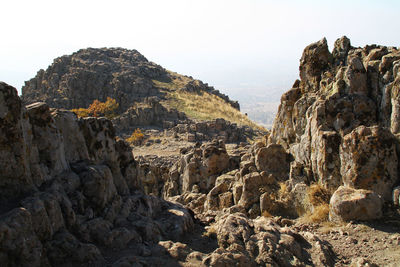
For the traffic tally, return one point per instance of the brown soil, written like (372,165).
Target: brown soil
(378,242)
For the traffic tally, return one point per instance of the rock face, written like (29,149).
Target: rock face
(69,189)
(369,160)
(339,121)
(216,129)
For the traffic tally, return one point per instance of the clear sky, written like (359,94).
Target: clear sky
(230,44)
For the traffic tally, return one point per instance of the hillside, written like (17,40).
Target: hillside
(76,80)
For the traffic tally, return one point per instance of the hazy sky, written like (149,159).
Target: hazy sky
(253,44)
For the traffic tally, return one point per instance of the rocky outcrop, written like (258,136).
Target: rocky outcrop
(75,198)
(265,243)
(69,190)
(339,120)
(198,169)
(150,112)
(216,129)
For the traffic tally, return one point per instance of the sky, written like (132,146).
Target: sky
(247,47)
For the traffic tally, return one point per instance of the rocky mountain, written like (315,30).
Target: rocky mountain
(76,81)
(72,193)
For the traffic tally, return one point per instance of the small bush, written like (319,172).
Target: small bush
(81,112)
(319,197)
(136,138)
(107,109)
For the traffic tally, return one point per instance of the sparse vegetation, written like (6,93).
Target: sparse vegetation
(206,106)
(136,138)
(200,105)
(283,190)
(107,109)
(319,197)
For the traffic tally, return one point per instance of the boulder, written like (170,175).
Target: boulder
(349,204)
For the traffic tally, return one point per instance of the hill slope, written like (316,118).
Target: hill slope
(76,80)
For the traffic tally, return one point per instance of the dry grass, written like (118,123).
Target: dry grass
(283,190)
(319,197)
(206,106)
(320,214)
(201,106)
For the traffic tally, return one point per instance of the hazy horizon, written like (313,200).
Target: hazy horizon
(251,46)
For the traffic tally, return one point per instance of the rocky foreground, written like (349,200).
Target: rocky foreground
(320,190)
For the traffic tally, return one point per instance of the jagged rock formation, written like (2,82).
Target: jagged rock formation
(340,120)
(69,190)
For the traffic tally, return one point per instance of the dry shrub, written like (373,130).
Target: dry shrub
(319,197)
(320,214)
(107,109)
(136,138)
(81,112)
(283,190)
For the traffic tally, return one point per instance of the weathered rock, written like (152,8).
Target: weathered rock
(274,160)
(77,184)
(199,167)
(316,58)
(14,156)
(66,249)
(263,242)
(178,251)
(255,184)
(335,121)
(369,160)
(349,204)
(18,241)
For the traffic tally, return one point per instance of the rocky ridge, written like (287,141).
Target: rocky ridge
(144,91)
(76,80)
